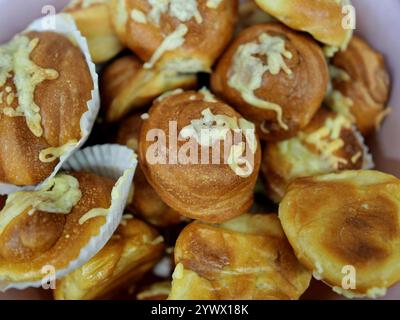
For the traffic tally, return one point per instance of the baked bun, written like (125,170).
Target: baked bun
(145,202)
(275,77)
(186,36)
(51,226)
(244,258)
(128,255)
(346,224)
(37,125)
(211,171)
(250,14)
(322,19)
(94,22)
(156,291)
(125,85)
(328,144)
(361,85)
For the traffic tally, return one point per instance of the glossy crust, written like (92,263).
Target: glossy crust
(31,241)
(132,251)
(156,291)
(299,95)
(368,86)
(146,202)
(204,41)
(94,22)
(245,258)
(283,161)
(209,192)
(356,224)
(126,85)
(322,19)
(19,147)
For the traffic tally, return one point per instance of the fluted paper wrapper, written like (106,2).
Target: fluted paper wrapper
(65,25)
(113,161)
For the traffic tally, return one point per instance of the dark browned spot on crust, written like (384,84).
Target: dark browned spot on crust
(362,231)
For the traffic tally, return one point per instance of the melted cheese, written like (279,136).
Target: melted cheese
(171,42)
(326,140)
(138,16)
(338,74)
(213,4)
(51,154)
(15,58)
(183,10)
(246,73)
(58,195)
(341,104)
(211,129)
(208,96)
(96,212)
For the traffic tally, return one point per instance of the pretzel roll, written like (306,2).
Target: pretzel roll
(322,19)
(45,84)
(126,85)
(345,227)
(244,258)
(361,85)
(92,17)
(145,202)
(50,226)
(129,254)
(275,77)
(328,144)
(200,156)
(179,35)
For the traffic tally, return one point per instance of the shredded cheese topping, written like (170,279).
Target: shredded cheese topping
(96,212)
(169,93)
(208,96)
(171,42)
(211,129)
(213,4)
(246,73)
(138,16)
(183,10)
(15,58)
(338,74)
(58,195)
(51,154)
(341,104)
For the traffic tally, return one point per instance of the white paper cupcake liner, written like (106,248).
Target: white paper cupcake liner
(64,24)
(113,161)
(368,161)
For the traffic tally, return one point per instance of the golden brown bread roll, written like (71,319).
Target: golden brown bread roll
(322,19)
(208,166)
(250,14)
(145,202)
(328,144)
(275,77)
(45,84)
(349,220)
(52,225)
(186,36)
(94,22)
(126,85)
(129,254)
(361,85)
(244,258)
(156,291)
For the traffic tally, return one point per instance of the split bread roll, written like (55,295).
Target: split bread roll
(94,22)
(275,77)
(328,144)
(132,251)
(361,85)
(200,156)
(244,258)
(45,84)
(346,224)
(125,85)
(51,226)
(145,202)
(322,19)
(186,36)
